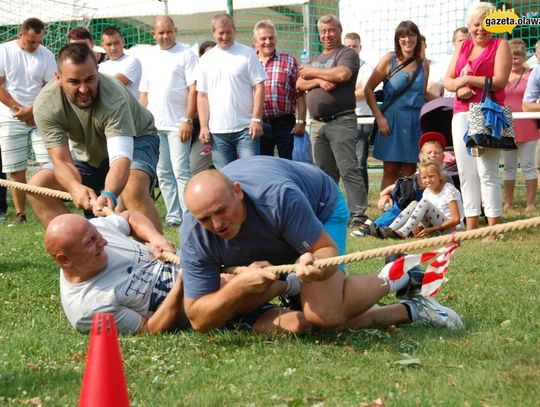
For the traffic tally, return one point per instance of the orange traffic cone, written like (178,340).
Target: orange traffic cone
(104,381)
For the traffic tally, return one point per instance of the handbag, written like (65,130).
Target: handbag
(384,108)
(379,94)
(302,148)
(480,135)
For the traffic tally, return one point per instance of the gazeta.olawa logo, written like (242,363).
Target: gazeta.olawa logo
(500,21)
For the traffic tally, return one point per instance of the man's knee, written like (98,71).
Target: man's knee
(138,186)
(324,317)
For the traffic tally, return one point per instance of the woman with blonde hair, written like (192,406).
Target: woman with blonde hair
(478,57)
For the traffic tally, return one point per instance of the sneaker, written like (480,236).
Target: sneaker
(21,218)
(388,233)
(357,221)
(362,231)
(2,216)
(172,224)
(428,311)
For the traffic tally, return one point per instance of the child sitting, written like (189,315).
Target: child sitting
(439,211)
(395,198)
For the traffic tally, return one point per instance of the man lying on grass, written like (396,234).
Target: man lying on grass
(262,210)
(104,270)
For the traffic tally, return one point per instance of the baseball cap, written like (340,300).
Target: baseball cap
(432,136)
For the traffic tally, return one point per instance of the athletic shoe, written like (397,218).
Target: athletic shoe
(21,218)
(388,233)
(428,311)
(357,221)
(2,216)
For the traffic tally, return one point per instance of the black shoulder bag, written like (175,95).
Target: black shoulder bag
(375,128)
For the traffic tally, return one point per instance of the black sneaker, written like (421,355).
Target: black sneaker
(357,221)
(20,218)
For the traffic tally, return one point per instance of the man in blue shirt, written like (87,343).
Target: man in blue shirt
(263,210)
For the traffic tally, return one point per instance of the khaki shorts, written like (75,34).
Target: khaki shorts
(14,138)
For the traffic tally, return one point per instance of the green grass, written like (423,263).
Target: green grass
(494,362)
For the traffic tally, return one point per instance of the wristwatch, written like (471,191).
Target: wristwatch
(255,120)
(300,121)
(186,120)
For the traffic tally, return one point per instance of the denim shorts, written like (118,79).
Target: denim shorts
(145,158)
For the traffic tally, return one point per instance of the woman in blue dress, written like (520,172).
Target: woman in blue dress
(405,77)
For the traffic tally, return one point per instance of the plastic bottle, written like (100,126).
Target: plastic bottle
(387,206)
(304,58)
(466,70)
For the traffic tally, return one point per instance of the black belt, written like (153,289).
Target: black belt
(334,116)
(278,118)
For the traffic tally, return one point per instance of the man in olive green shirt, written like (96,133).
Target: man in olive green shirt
(112,138)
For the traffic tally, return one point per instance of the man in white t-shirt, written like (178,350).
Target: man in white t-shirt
(104,270)
(230,97)
(168,91)
(352,40)
(25,67)
(126,68)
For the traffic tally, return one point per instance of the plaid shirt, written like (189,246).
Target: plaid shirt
(280,92)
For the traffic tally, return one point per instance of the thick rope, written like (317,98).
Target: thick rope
(406,247)
(333,261)
(66,196)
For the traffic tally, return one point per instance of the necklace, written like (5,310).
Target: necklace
(519,80)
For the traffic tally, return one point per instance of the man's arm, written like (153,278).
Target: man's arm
(336,74)
(122,78)
(243,293)
(69,177)
(143,98)
(300,128)
(144,230)
(323,248)
(255,129)
(23,113)
(169,314)
(203,108)
(186,129)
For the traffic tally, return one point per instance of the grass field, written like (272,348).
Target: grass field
(494,362)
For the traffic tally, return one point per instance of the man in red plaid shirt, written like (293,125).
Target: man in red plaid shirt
(280,95)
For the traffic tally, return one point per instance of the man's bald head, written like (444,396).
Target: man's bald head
(216,202)
(62,232)
(77,246)
(164,32)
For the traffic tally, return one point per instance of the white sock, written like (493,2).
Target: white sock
(394,285)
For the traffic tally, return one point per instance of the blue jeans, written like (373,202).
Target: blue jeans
(227,147)
(173,171)
(362,150)
(277,133)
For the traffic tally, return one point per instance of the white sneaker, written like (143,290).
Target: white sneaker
(428,311)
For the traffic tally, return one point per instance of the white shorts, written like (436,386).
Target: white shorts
(14,136)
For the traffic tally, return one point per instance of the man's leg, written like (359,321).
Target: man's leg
(45,207)
(284,139)
(282,320)
(3,193)
(245,145)
(341,134)
(362,150)
(142,174)
(323,156)
(223,150)
(267,142)
(14,144)
(166,177)
(180,153)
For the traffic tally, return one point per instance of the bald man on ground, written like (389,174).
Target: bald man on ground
(263,210)
(103,269)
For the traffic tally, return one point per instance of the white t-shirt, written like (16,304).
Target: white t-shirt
(132,286)
(362,108)
(166,77)
(128,66)
(25,73)
(437,72)
(228,77)
(442,199)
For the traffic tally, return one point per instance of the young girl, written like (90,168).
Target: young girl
(440,207)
